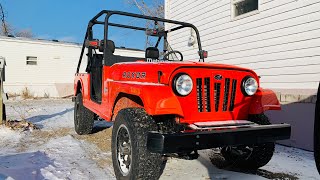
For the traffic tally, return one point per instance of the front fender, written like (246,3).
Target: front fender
(264,100)
(158,99)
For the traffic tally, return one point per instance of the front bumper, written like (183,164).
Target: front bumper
(190,141)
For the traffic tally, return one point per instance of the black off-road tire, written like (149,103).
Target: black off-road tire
(144,164)
(83,117)
(260,155)
(316,141)
(4,114)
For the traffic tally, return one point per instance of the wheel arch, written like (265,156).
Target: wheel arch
(78,87)
(125,100)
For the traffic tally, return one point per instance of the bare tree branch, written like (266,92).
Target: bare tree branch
(4,27)
(155,8)
(27,33)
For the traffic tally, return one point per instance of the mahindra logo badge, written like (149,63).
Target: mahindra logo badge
(218,77)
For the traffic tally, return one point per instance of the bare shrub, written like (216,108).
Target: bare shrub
(27,33)
(13,95)
(26,94)
(46,95)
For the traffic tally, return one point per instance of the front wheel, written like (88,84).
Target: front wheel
(250,157)
(130,157)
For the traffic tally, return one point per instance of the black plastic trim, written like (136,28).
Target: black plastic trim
(190,141)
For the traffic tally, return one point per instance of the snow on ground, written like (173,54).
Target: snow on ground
(293,161)
(56,152)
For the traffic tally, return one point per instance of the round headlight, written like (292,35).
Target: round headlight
(183,84)
(250,86)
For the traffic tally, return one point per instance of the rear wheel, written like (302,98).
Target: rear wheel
(83,117)
(250,157)
(130,156)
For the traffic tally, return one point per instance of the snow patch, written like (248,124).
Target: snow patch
(293,161)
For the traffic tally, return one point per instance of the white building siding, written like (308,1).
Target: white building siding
(56,64)
(281,42)
(55,69)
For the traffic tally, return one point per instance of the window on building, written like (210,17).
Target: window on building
(31,60)
(243,7)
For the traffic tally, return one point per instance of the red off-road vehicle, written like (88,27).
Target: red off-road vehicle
(162,106)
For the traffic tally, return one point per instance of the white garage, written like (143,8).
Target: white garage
(45,68)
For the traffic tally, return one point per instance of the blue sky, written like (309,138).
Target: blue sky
(64,20)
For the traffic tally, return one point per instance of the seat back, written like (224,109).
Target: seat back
(152,53)
(110,45)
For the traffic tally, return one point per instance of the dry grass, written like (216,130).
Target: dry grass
(13,95)
(27,94)
(47,135)
(101,139)
(38,137)
(20,125)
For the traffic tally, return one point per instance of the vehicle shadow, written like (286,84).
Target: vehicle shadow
(24,165)
(219,162)
(101,125)
(39,118)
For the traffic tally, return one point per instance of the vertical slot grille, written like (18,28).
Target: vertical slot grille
(199,94)
(216,96)
(233,94)
(226,94)
(217,89)
(207,93)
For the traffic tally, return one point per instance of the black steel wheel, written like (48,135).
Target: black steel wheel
(316,145)
(250,157)
(130,156)
(83,117)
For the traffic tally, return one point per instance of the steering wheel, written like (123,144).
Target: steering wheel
(166,56)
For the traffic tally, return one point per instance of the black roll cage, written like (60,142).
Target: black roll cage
(106,23)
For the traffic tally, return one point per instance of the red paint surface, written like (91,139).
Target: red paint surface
(158,97)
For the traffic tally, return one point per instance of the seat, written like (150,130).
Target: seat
(96,76)
(112,59)
(110,45)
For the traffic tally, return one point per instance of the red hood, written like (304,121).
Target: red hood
(167,68)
